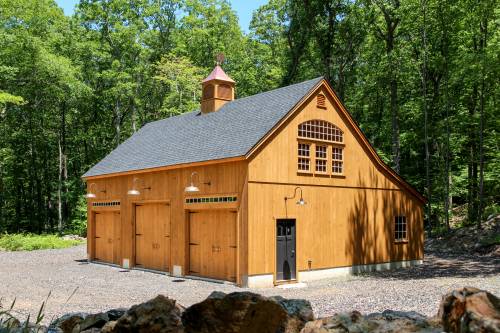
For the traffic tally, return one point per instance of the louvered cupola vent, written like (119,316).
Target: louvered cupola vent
(218,89)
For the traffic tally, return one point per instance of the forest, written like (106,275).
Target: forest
(419,76)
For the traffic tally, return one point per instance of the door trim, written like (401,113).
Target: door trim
(275,280)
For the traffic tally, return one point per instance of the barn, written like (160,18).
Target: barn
(273,188)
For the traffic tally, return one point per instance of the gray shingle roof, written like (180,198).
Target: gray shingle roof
(194,137)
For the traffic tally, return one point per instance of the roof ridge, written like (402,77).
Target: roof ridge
(279,88)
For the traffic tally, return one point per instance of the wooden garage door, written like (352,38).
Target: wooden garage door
(107,237)
(152,236)
(212,244)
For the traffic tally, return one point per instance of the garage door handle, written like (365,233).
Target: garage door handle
(97,237)
(193,244)
(138,234)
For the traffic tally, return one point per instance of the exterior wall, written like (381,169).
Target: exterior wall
(168,185)
(348,220)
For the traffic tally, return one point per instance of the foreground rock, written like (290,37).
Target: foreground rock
(246,312)
(387,321)
(161,314)
(470,310)
(461,311)
(81,322)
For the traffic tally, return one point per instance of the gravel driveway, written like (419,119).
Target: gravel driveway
(78,286)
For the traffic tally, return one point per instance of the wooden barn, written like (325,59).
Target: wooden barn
(273,188)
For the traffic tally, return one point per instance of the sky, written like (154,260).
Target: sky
(244,8)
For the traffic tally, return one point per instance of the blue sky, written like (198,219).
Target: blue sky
(244,8)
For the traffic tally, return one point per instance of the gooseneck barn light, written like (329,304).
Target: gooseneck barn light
(192,188)
(135,189)
(301,201)
(90,194)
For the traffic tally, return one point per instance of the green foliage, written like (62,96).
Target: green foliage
(73,88)
(30,242)
(10,324)
(182,80)
(491,240)
(78,224)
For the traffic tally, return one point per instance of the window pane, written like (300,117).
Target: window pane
(321,130)
(400,228)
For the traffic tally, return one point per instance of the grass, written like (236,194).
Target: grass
(30,242)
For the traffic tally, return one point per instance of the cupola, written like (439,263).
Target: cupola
(217,89)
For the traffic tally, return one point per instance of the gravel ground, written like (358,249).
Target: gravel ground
(76,286)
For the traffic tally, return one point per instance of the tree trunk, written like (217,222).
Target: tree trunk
(59,191)
(117,123)
(484,31)
(389,36)
(426,129)
(447,197)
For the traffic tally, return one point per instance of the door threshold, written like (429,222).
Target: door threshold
(201,278)
(281,282)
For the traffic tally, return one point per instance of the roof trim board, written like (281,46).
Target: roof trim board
(168,167)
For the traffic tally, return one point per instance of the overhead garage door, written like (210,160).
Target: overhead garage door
(212,244)
(107,237)
(152,236)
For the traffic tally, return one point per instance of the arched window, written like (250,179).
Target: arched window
(320,148)
(321,130)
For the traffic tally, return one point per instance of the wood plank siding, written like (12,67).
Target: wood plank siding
(348,218)
(148,209)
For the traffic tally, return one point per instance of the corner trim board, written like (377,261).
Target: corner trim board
(258,281)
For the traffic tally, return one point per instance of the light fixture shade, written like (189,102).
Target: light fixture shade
(133,192)
(90,195)
(301,202)
(191,189)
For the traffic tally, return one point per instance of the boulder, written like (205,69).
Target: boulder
(67,322)
(115,314)
(387,321)
(91,330)
(296,307)
(109,327)
(470,310)
(92,321)
(246,312)
(161,314)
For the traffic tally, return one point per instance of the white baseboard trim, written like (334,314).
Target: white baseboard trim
(258,281)
(319,274)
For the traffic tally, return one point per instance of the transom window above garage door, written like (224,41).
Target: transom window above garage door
(211,199)
(320,148)
(106,203)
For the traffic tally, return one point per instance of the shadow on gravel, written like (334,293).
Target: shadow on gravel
(446,265)
(83,261)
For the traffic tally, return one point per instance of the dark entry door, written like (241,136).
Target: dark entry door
(285,251)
